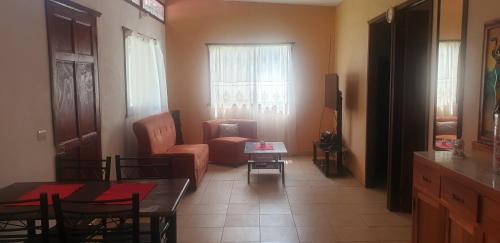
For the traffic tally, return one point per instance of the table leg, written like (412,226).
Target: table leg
(248,174)
(283,173)
(172,229)
(155,229)
(314,152)
(327,164)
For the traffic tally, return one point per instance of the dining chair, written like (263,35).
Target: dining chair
(18,223)
(146,168)
(134,168)
(69,169)
(97,221)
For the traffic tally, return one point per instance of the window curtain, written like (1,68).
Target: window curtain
(447,81)
(146,82)
(255,82)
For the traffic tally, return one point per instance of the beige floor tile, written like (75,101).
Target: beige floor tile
(208,220)
(190,209)
(310,220)
(275,208)
(387,219)
(198,235)
(279,234)
(356,234)
(281,220)
(394,233)
(232,234)
(242,220)
(314,234)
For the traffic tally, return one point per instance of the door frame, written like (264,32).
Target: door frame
(370,174)
(394,197)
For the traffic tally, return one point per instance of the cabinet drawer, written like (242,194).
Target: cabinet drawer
(460,199)
(490,209)
(426,178)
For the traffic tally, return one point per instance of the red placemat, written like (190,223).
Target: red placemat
(266,146)
(63,190)
(125,190)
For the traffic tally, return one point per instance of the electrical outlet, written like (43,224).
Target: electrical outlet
(41,135)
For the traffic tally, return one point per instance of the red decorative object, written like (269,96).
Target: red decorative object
(266,146)
(125,190)
(63,191)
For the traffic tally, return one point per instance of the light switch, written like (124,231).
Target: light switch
(41,135)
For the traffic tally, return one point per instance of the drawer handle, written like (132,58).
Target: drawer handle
(427,179)
(457,198)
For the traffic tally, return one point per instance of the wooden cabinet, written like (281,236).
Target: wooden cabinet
(451,207)
(428,221)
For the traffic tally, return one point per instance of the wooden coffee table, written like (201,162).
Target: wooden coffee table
(266,159)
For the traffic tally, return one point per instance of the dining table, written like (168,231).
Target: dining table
(160,203)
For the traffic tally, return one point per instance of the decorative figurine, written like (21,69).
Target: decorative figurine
(458,148)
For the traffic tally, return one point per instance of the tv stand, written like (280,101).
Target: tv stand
(332,152)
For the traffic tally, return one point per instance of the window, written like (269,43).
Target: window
(254,82)
(155,8)
(255,77)
(145,75)
(447,78)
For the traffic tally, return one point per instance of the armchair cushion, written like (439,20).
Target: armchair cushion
(229,130)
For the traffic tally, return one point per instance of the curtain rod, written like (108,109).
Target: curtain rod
(125,30)
(249,43)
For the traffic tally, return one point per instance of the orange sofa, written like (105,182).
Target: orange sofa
(156,137)
(229,150)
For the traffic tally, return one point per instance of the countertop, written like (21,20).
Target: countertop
(477,166)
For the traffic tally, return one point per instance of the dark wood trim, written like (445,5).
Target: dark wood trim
(141,8)
(461,68)
(487,26)
(370,173)
(378,19)
(77,7)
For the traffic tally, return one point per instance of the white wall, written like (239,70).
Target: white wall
(25,85)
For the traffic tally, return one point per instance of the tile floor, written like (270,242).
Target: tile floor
(309,208)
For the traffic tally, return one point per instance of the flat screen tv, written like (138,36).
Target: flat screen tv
(331,90)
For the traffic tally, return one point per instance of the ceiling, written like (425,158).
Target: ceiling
(302,2)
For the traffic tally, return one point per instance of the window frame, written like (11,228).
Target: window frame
(141,8)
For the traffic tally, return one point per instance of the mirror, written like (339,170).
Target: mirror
(452,25)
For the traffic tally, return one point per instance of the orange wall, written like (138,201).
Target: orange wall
(192,23)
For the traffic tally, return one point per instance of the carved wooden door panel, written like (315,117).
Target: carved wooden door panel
(72,34)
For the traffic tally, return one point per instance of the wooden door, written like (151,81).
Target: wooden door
(428,219)
(72,36)
(459,230)
(410,66)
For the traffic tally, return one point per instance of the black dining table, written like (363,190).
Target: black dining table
(160,203)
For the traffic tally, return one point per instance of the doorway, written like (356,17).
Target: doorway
(398,95)
(409,104)
(379,80)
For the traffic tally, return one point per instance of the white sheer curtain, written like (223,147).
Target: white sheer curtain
(255,82)
(146,82)
(447,81)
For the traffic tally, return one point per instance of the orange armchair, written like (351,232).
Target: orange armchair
(228,150)
(156,136)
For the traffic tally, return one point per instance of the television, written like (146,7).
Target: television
(331,90)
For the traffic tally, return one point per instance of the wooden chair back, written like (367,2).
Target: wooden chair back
(68,169)
(19,223)
(129,168)
(97,221)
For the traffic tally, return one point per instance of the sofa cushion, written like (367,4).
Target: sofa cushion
(199,152)
(155,134)
(229,130)
(229,140)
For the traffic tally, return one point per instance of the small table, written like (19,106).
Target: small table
(274,162)
(161,202)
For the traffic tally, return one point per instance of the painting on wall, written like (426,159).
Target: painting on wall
(490,92)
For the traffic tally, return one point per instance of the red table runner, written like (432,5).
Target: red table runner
(125,190)
(63,190)
(266,146)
